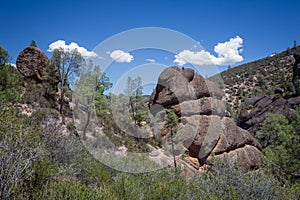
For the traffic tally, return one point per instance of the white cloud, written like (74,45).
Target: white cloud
(151,60)
(121,56)
(72,46)
(195,58)
(228,53)
(14,65)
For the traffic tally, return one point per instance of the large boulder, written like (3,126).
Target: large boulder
(31,62)
(177,85)
(202,106)
(204,128)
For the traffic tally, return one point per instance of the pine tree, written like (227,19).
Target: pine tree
(33,43)
(172,126)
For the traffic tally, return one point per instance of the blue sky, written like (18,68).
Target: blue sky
(264,26)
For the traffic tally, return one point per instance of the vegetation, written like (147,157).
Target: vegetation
(172,126)
(259,78)
(134,91)
(39,160)
(281,143)
(67,63)
(43,164)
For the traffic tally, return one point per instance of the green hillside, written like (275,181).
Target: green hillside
(259,78)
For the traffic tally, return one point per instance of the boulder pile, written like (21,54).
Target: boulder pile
(205,128)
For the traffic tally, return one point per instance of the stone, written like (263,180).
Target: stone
(203,106)
(31,62)
(177,85)
(204,126)
(247,157)
(252,119)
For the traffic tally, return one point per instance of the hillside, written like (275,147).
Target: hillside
(56,144)
(259,78)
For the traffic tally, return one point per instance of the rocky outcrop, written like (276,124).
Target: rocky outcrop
(31,62)
(296,67)
(204,126)
(177,85)
(259,107)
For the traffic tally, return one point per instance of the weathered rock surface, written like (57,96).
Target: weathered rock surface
(203,106)
(204,128)
(178,85)
(31,62)
(261,106)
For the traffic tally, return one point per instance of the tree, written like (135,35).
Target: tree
(134,91)
(295,43)
(280,141)
(9,78)
(33,43)
(172,126)
(3,56)
(67,63)
(90,87)
(101,103)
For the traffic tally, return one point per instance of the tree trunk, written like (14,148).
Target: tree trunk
(61,105)
(173,151)
(86,124)
(132,109)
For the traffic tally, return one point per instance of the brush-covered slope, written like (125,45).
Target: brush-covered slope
(262,77)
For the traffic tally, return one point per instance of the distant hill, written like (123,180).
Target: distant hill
(258,78)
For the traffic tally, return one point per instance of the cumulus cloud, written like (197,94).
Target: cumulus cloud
(70,47)
(151,60)
(14,65)
(121,56)
(227,53)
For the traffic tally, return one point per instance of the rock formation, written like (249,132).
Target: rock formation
(31,63)
(259,107)
(204,126)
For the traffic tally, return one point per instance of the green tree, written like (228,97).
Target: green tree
(172,126)
(9,78)
(4,57)
(67,63)
(297,87)
(101,100)
(280,141)
(33,43)
(90,88)
(134,91)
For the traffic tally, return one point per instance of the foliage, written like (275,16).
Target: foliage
(172,126)
(67,63)
(4,57)
(40,161)
(297,87)
(33,43)
(10,83)
(259,78)
(281,142)
(227,181)
(19,152)
(134,91)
